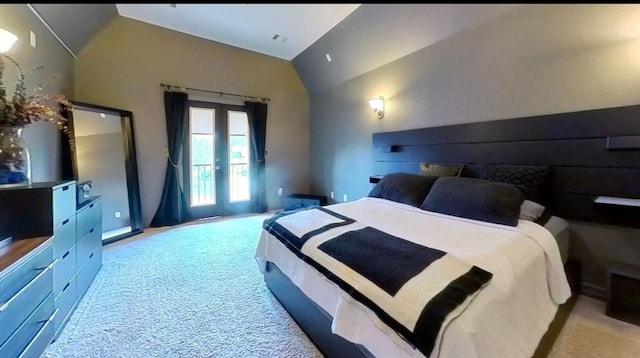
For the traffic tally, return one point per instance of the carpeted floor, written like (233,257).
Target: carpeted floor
(192,291)
(195,291)
(589,333)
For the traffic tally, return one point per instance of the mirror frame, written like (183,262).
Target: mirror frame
(130,162)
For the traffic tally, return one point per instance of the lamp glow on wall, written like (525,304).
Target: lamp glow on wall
(7,39)
(377,105)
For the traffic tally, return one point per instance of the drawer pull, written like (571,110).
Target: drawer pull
(47,322)
(65,188)
(90,256)
(65,255)
(91,206)
(26,287)
(65,222)
(66,286)
(91,231)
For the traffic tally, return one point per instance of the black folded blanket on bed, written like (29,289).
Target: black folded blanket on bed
(331,243)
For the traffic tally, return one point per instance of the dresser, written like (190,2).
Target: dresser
(49,209)
(27,310)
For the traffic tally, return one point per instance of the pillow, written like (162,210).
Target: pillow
(530,210)
(476,199)
(404,188)
(441,170)
(528,178)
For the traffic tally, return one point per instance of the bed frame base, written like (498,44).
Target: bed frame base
(316,323)
(313,320)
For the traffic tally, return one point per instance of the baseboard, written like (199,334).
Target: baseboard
(593,291)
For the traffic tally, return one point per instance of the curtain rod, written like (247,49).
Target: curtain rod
(169,87)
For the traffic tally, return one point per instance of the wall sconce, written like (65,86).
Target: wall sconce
(7,39)
(377,105)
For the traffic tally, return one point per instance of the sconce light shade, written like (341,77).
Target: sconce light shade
(7,39)
(377,105)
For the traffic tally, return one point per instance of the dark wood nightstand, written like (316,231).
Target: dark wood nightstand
(623,288)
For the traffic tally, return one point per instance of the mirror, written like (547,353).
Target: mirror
(104,153)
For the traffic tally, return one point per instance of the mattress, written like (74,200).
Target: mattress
(507,319)
(559,228)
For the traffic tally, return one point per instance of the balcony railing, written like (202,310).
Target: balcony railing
(203,182)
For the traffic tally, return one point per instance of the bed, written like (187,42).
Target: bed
(507,318)
(518,312)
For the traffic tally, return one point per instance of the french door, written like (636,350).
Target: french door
(216,166)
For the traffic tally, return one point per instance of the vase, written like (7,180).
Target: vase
(15,160)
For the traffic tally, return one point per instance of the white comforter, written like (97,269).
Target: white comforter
(507,319)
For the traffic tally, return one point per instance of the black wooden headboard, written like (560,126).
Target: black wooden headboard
(591,153)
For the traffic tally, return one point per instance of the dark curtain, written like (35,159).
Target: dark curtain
(173,207)
(257,116)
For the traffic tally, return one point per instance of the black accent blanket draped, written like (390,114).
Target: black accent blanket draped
(319,236)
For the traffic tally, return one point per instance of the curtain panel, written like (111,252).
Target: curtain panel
(173,207)
(257,117)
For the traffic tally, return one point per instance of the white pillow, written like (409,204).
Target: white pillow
(530,210)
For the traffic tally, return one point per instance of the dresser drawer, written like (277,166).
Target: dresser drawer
(64,270)
(64,303)
(41,340)
(89,244)
(22,289)
(64,202)
(64,236)
(88,272)
(31,331)
(88,217)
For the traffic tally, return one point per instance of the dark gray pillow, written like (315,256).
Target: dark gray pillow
(476,199)
(404,188)
(528,178)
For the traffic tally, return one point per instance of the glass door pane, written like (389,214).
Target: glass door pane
(202,156)
(238,139)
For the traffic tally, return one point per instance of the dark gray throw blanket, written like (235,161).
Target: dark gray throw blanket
(410,287)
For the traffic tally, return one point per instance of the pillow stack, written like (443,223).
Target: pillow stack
(530,179)
(470,198)
(476,199)
(441,170)
(403,188)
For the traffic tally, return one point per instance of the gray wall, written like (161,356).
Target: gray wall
(42,138)
(535,59)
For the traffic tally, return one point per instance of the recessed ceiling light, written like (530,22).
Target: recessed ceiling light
(328,57)
(102,115)
(275,37)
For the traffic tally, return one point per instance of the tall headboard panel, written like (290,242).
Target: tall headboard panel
(591,153)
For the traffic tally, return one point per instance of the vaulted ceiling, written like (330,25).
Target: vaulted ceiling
(327,43)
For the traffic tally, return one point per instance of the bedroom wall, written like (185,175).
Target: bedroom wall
(535,59)
(123,66)
(42,138)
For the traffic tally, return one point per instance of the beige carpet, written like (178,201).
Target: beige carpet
(590,333)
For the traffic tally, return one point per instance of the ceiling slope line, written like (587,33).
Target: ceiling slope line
(35,12)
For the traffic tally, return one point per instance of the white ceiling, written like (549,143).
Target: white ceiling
(248,26)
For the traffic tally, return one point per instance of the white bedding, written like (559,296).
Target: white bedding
(506,320)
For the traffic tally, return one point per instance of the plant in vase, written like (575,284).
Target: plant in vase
(16,114)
